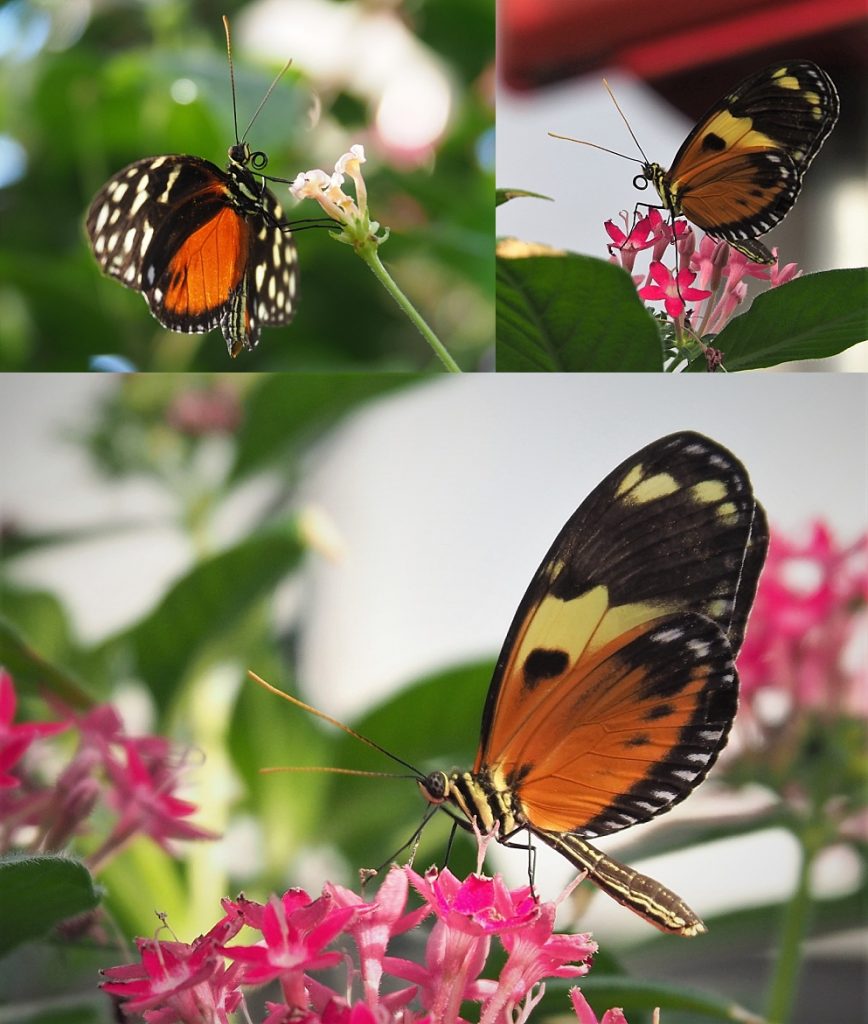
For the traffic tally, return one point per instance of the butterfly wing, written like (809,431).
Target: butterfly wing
(181,231)
(615,688)
(740,170)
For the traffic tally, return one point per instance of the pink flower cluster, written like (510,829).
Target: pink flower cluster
(134,776)
(711,277)
(810,612)
(177,983)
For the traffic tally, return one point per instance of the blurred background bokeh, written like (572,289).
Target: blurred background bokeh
(667,64)
(364,541)
(88,87)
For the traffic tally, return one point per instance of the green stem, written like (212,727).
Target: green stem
(370,255)
(783,989)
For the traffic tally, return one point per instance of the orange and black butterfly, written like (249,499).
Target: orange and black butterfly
(740,170)
(616,687)
(207,248)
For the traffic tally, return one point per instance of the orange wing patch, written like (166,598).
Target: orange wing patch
(626,733)
(209,265)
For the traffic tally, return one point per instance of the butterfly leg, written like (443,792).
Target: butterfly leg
(531,857)
(412,842)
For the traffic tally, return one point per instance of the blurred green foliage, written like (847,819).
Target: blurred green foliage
(84,109)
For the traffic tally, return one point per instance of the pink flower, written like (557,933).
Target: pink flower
(186,984)
(782,275)
(644,234)
(376,923)
(141,792)
(202,411)
(587,1016)
(177,982)
(808,613)
(536,953)
(295,932)
(15,739)
(674,290)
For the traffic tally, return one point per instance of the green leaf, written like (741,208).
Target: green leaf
(812,317)
(37,893)
(503,195)
(27,664)
(201,606)
(566,312)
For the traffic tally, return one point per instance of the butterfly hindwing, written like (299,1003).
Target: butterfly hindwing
(615,688)
(739,172)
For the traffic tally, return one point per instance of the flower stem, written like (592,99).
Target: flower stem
(783,989)
(370,255)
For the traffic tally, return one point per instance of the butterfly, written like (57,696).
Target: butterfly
(740,170)
(616,687)
(207,248)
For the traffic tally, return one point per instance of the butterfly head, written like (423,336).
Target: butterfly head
(435,787)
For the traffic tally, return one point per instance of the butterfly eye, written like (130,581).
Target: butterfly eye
(435,787)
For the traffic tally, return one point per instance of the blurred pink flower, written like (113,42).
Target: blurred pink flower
(809,614)
(15,739)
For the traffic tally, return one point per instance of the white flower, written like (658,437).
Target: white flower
(327,190)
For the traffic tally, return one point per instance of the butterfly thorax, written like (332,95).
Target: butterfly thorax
(245,191)
(658,176)
(482,796)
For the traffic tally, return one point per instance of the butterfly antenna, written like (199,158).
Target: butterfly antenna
(333,721)
(332,770)
(264,99)
(593,145)
(231,74)
(624,119)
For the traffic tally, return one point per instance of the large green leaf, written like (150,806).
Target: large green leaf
(812,317)
(37,893)
(565,312)
(201,606)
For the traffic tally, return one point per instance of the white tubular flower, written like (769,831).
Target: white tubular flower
(327,190)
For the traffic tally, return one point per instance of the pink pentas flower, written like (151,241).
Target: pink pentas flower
(15,739)
(808,616)
(468,913)
(175,981)
(781,275)
(586,1015)
(674,290)
(295,932)
(535,953)
(141,792)
(376,923)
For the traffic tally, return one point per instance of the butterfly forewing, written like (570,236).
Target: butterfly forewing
(667,531)
(740,170)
